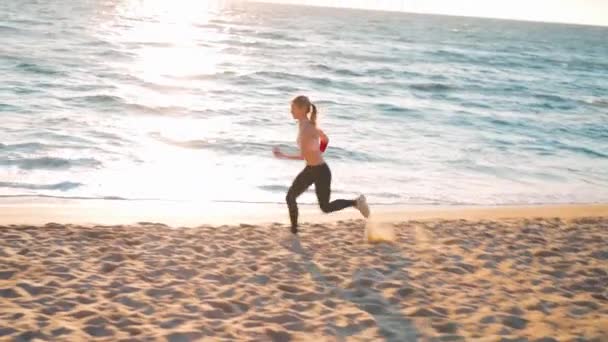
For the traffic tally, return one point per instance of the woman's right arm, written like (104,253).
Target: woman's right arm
(278,154)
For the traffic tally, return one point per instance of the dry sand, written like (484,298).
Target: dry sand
(443,280)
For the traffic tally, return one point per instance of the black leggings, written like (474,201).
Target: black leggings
(320,175)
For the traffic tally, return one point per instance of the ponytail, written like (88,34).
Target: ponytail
(313,114)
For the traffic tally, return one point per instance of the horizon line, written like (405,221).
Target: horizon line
(597,25)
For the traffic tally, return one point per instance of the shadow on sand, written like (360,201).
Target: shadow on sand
(394,326)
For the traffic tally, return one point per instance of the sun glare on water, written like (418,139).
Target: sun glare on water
(171,60)
(171,36)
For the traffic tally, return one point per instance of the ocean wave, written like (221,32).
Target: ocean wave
(321,67)
(14,58)
(555,106)
(23,147)
(504,125)
(158,110)
(210,25)
(377,58)
(551,97)
(347,72)
(275,36)
(38,69)
(220,22)
(387,108)
(113,76)
(213,76)
(115,54)
(278,75)
(431,87)
(336,71)
(108,136)
(388,72)
(477,104)
(5,107)
(63,186)
(452,55)
(325,102)
(50,163)
(540,150)
(151,44)
(285,76)
(231,50)
(595,132)
(8,29)
(25,91)
(246,44)
(116,101)
(30,22)
(36,147)
(580,149)
(492,61)
(36,135)
(96,99)
(514,87)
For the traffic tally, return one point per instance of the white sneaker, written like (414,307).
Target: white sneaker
(361,204)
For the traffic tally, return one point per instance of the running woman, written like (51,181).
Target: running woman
(316,171)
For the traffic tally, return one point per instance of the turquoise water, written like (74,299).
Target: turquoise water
(184,100)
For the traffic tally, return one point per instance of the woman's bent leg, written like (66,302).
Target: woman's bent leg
(323,190)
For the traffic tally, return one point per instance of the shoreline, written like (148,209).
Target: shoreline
(191,214)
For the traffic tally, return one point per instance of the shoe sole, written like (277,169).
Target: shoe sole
(363,206)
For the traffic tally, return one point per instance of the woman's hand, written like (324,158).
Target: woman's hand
(277,153)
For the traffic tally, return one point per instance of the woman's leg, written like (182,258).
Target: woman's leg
(302,182)
(323,190)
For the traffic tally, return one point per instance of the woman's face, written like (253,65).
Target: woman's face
(297,111)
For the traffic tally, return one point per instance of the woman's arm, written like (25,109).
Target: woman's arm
(322,135)
(277,153)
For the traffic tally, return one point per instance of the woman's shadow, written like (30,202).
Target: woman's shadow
(393,325)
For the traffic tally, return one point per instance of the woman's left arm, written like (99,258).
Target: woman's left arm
(322,135)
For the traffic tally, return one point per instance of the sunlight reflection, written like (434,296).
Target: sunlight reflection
(168,42)
(169,37)
(182,62)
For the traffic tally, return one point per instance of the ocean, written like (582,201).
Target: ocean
(184,101)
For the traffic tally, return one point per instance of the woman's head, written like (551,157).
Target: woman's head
(301,107)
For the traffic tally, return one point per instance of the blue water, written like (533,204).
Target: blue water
(184,100)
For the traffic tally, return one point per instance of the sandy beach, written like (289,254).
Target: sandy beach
(517,279)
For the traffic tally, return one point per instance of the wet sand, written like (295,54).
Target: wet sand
(513,279)
(39,211)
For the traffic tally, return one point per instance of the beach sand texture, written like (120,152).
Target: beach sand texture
(443,280)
